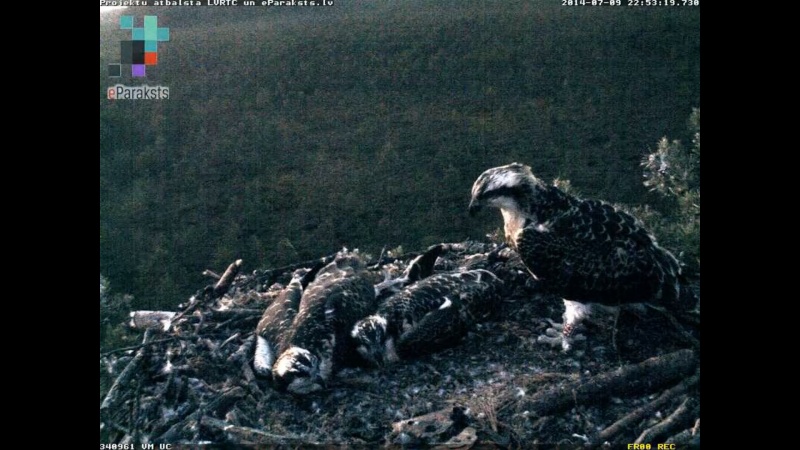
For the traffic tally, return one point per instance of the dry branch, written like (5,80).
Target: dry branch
(269,276)
(187,421)
(235,313)
(168,430)
(227,278)
(677,420)
(120,384)
(138,346)
(640,413)
(151,319)
(633,379)
(212,274)
(225,400)
(230,339)
(244,350)
(252,436)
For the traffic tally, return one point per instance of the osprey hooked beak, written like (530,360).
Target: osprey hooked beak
(474,207)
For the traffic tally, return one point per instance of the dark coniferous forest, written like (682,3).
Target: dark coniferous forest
(292,132)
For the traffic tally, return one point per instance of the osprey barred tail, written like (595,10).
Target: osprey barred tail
(585,251)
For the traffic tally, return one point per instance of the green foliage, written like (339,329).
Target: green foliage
(114,311)
(566,186)
(396,252)
(673,171)
(114,333)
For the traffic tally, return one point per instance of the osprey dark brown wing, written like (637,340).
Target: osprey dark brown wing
(469,302)
(427,316)
(596,253)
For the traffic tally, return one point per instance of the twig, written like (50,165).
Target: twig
(640,413)
(229,340)
(270,275)
(249,376)
(377,265)
(234,315)
(614,331)
(244,350)
(135,411)
(247,435)
(169,430)
(195,302)
(674,421)
(199,324)
(138,346)
(212,274)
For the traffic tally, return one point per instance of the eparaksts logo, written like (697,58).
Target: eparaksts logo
(143,92)
(142,50)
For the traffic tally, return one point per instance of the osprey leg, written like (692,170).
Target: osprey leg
(574,313)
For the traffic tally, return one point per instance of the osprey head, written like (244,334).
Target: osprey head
(502,187)
(298,371)
(371,339)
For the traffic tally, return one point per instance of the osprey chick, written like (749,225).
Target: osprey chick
(427,316)
(276,322)
(586,251)
(319,336)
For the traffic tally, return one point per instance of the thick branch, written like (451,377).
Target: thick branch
(227,278)
(124,378)
(180,427)
(646,376)
(151,319)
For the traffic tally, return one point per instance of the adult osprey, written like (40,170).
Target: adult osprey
(427,316)
(319,337)
(585,251)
